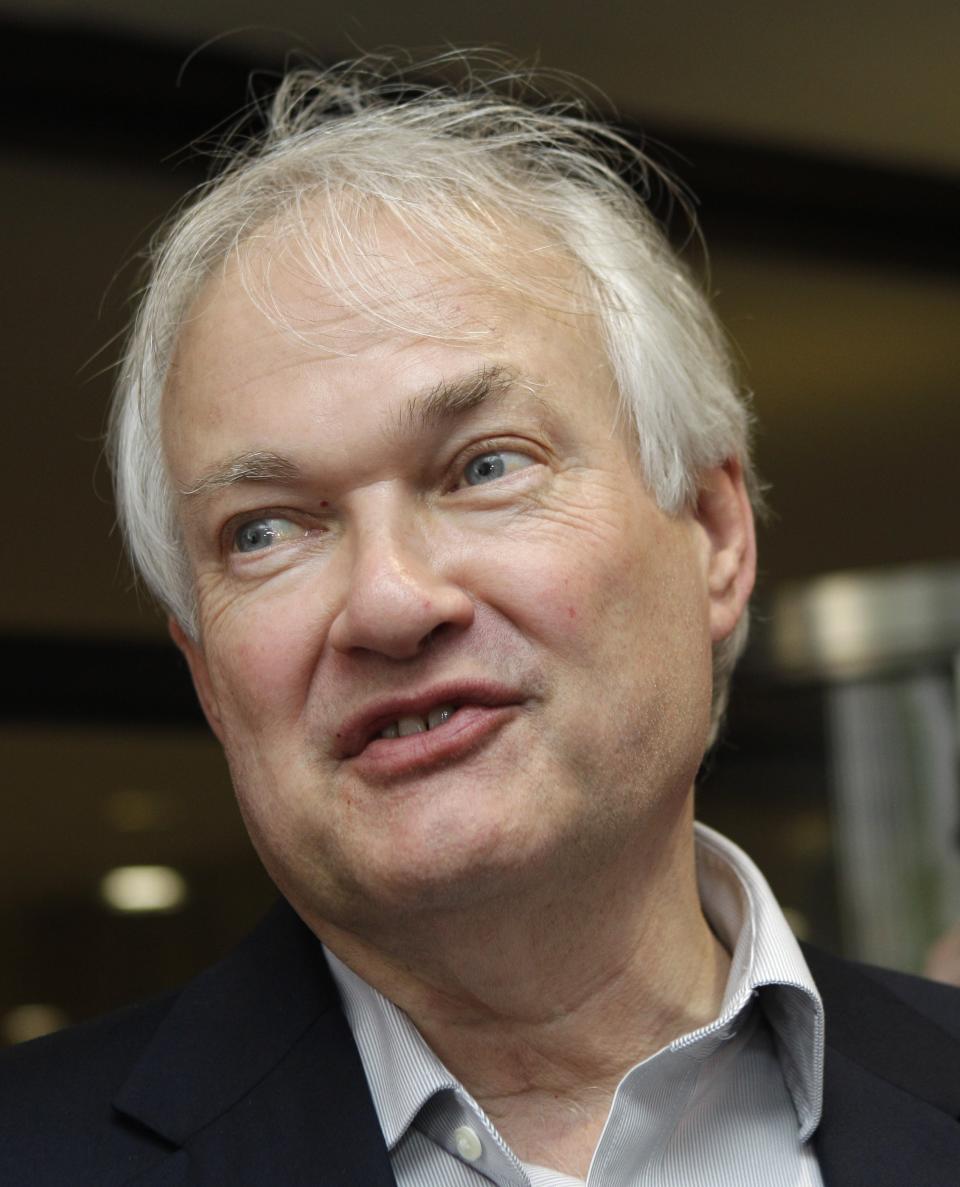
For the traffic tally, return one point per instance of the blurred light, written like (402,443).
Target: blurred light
(31,1021)
(858,624)
(143,888)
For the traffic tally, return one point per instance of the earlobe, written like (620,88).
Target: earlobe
(726,518)
(192,652)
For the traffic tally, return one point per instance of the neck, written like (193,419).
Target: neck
(541,1004)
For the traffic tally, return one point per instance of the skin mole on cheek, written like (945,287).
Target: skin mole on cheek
(571,613)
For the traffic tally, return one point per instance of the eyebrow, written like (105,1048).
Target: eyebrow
(429,409)
(451,398)
(258,465)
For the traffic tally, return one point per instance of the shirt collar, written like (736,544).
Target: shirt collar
(403,1072)
(765,961)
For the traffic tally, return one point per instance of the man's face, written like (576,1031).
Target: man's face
(418,533)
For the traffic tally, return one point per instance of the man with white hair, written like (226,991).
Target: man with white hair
(431,450)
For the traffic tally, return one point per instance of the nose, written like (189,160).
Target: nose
(397,594)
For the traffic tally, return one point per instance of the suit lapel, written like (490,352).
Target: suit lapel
(891,1086)
(254,1078)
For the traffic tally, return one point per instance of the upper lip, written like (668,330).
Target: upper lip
(357,730)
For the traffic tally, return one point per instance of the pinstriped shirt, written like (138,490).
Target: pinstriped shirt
(733,1103)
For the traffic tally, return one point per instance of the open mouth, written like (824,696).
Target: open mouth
(411,744)
(436,727)
(404,716)
(414,723)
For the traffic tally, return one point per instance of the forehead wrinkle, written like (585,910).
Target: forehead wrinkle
(258,465)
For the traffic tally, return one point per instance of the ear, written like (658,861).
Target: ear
(724,514)
(192,652)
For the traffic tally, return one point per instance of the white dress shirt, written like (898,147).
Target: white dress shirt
(732,1103)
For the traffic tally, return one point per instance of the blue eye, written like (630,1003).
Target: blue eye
(488,467)
(257,534)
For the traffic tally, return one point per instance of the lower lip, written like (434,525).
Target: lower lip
(467,730)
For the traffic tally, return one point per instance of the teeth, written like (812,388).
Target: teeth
(439,715)
(418,725)
(411,725)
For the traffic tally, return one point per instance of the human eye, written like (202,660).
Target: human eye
(488,467)
(257,535)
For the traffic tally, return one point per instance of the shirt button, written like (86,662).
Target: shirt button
(468,1144)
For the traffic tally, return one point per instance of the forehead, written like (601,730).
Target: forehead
(270,339)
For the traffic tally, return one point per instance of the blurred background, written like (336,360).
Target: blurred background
(823,144)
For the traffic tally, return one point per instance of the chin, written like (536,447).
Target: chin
(401,882)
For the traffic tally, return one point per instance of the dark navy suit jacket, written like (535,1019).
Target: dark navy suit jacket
(249,1077)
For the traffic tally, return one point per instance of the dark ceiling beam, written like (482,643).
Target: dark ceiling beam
(98,95)
(53,680)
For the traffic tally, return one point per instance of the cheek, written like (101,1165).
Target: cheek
(568,591)
(262,658)
(625,608)
(548,599)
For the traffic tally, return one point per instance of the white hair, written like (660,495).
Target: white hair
(468,172)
